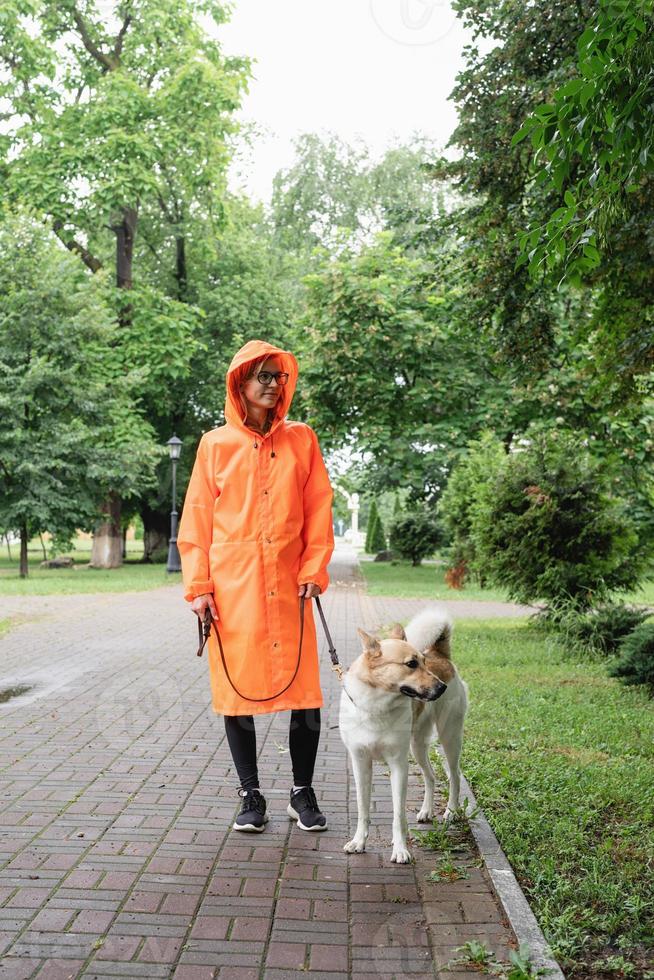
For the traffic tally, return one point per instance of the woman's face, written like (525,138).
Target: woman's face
(263,396)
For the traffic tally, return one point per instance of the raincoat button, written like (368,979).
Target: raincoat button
(265,491)
(275,644)
(271,592)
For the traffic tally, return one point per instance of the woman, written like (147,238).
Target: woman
(256,532)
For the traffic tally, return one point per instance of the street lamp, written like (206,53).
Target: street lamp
(174,564)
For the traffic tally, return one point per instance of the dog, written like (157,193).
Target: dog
(394,695)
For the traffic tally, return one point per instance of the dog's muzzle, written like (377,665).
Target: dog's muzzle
(432,695)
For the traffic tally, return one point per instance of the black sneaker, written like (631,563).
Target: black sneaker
(304,808)
(252,816)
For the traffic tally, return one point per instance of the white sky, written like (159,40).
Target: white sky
(377,69)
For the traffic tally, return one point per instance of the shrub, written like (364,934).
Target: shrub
(547,526)
(636,662)
(160,555)
(598,631)
(415,534)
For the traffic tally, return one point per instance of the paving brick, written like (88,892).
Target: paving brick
(140,901)
(200,973)
(89,920)
(332,958)
(52,919)
(158,950)
(290,956)
(18,968)
(116,947)
(56,969)
(213,927)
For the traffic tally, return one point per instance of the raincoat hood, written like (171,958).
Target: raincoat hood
(255,350)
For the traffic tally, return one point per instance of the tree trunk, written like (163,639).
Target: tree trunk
(8,546)
(124,542)
(125,233)
(23,550)
(156,527)
(106,551)
(180,269)
(45,556)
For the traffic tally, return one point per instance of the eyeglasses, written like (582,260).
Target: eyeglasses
(265,377)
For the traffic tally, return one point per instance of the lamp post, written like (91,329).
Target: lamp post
(174,564)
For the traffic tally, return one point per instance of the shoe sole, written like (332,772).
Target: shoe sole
(296,816)
(250,827)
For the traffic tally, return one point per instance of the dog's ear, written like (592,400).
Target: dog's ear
(369,643)
(397,632)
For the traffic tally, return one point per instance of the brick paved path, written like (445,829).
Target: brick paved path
(117,789)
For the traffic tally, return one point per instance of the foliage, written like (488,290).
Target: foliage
(550,528)
(415,534)
(636,662)
(593,138)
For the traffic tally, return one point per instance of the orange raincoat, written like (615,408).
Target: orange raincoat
(257,524)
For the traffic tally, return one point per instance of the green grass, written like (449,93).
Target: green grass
(422,582)
(561,759)
(4,625)
(404,581)
(132,576)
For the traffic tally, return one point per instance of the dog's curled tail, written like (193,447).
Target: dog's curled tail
(431,629)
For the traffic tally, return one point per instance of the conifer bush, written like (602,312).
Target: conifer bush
(635,664)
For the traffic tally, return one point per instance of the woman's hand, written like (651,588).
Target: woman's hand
(309,590)
(203,602)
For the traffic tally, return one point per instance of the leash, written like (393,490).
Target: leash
(204,629)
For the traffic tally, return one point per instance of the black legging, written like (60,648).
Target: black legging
(303,736)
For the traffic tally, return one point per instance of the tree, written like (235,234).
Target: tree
(334,191)
(387,368)
(120,122)
(70,428)
(373,516)
(377,536)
